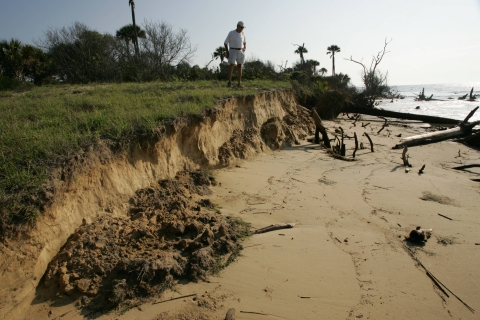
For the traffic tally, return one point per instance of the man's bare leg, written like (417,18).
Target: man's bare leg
(230,73)
(239,71)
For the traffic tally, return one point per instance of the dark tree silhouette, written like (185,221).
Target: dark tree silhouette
(375,82)
(131,4)
(220,52)
(301,50)
(314,64)
(130,33)
(323,71)
(331,51)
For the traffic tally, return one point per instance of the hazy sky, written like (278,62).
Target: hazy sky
(433,41)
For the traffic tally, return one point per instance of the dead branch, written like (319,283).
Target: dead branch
(351,118)
(213,58)
(342,146)
(274,227)
(356,118)
(470,115)
(405,157)
(384,125)
(371,77)
(320,129)
(365,125)
(181,297)
(253,312)
(370,140)
(473,97)
(437,282)
(356,144)
(421,170)
(441,215)
(375,59)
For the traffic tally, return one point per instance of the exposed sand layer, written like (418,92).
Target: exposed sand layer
(346,258)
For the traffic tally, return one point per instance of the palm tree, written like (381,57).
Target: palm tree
(345,78)
(314,64)
(323,71)
(301,50)
(131,4)
(128,33)
(331,51)
(220,52)
(11,59)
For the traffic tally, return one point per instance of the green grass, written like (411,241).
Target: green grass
(41,126)
(242,231)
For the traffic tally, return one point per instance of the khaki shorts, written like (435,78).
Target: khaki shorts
(237,56)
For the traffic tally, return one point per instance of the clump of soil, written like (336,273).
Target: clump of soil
(171,233)
(446,240)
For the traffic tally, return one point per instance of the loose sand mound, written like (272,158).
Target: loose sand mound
(171,233)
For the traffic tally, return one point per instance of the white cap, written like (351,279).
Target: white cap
(241,24)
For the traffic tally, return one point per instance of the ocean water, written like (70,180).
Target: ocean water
(447,105)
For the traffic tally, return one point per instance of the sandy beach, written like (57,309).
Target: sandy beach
(346,257)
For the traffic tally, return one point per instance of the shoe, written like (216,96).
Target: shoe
(240,86)
(229,84)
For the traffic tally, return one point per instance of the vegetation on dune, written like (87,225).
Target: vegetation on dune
(40,127)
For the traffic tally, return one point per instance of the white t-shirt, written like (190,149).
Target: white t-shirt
(235,39)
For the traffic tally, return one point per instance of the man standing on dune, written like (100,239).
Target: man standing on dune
(238,44)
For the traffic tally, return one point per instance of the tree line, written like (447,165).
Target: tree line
(155,51)
(78,54)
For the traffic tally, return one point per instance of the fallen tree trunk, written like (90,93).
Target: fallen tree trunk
(402,115)
(464,129)
(436,136)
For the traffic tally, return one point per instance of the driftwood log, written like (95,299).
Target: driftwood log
(465,128)
(320,129)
